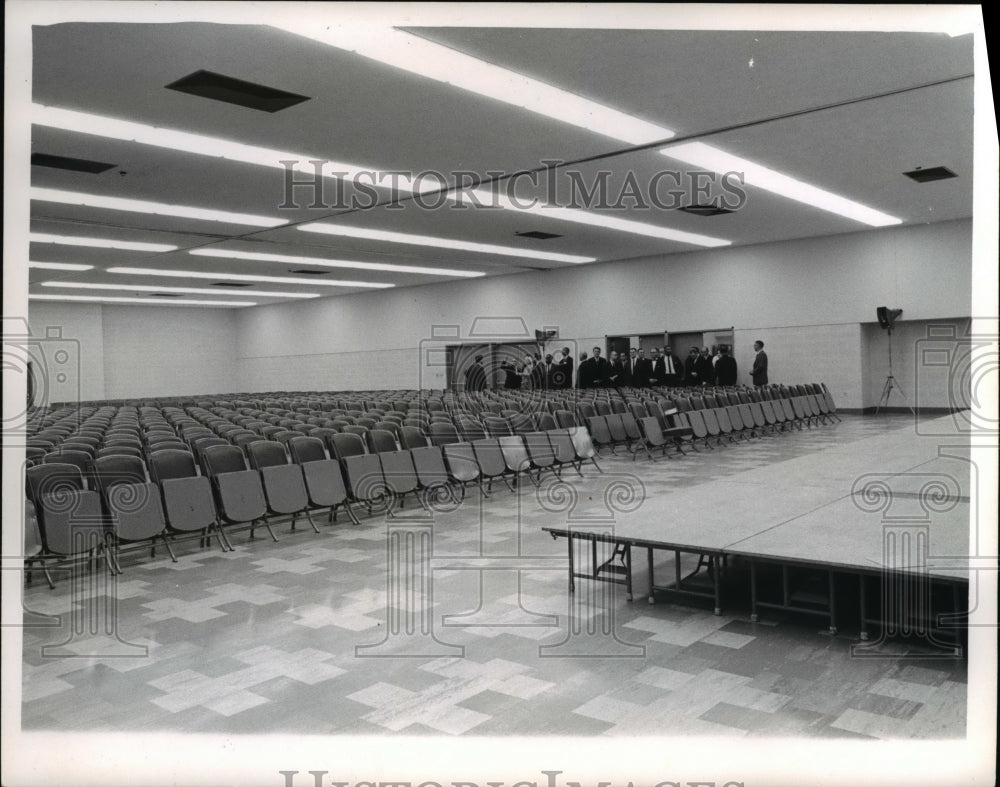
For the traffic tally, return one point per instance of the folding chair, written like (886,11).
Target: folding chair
(324,477)
(239,490)
(188,502)
(283,482)
(69,516)
(133,505)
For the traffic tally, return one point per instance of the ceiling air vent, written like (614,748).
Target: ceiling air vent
(217,87)
(538,235)
(922,175)
(71,164)
(705,210)
(231,284)
(308,272)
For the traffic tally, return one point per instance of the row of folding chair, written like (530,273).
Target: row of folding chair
(131,506)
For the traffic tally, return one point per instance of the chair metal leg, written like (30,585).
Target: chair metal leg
(311,522)
(166,542)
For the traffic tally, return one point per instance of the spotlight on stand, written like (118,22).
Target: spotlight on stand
(887,317)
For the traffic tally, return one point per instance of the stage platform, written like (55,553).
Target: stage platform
(885,520)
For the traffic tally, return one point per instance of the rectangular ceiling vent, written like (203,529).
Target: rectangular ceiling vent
(69,163)
(922,175)
(705,210)
(165,295)
(207,84)
(308,272)
(538,235)
(231,284)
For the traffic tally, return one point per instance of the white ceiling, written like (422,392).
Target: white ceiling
(845,111)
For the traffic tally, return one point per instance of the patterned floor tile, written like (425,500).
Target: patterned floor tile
(263,639)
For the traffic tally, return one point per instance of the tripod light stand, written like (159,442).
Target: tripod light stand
(886,318)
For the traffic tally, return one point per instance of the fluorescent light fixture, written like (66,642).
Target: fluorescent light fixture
(215,147)
(143,301)
(186,290)
(707,157)
(113,128)
(154,208)
(319,261)
(481,197)
(70,240)
(59,266)
(315,282)
(439,243)
(417,55)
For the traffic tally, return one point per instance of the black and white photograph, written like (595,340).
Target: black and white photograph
(499,395)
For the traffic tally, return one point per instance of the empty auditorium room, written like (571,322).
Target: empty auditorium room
(499,394)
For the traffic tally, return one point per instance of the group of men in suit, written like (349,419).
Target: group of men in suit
(661,368)
(636,370)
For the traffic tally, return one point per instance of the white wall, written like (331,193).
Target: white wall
(168,351)
(806,299)
(82,335)
(132,352)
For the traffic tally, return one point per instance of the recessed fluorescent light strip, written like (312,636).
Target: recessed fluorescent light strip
(143,301)
(366,266)
(113,128)
(439,243)
(246,277)
(84,123)
(59,266)
(154,208)
(699,154)
(443,64)
(186,290)
(100,243)
(592,219)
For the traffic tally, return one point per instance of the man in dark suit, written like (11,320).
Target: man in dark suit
(691,376)
(585,372)
(657,371)
(564,372)
(475,376)
(602,369)
(616,370)
(629,368)
(643,370)
(706,369)
(759,370)
(512,379)
(725,368)
(550,372)
(673,372)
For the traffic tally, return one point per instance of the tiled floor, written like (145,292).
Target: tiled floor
(472,632)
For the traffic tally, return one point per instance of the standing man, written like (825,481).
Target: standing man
(550,372)
(602,369)
(616,370)
(584,375)
(706,369)
(759,371)
(643,373)
(673,369)
(657,369)
(692,368)
(725,367)
(565,371)
(628,375)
